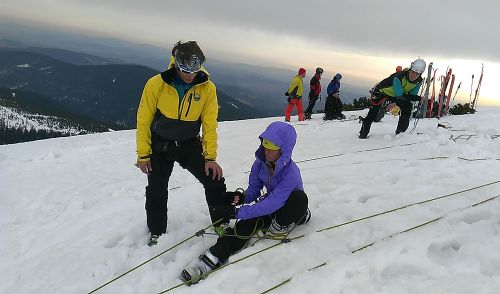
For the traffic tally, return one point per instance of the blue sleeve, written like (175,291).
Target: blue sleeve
(336,88)
(274,200)
(329,89)
(254,184)
(332,88)
(415,90)
(398,88)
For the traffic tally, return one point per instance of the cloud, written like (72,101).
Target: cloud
(363,39)
(422,28)
(438,28)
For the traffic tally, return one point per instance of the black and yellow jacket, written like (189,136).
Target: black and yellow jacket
(296,88)
(398,84)
(162,111)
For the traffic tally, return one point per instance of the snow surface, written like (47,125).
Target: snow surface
(72,213)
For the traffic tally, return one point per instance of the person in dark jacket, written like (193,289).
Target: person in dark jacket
(400,88)
(283,206)
(314,92)
(333,104)
(174,105)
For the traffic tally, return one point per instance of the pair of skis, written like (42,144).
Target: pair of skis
(444,100)
(433,97)
(447,98)
(422,105)
(425,107)
(476,95)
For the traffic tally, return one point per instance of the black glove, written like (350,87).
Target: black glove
(287,94)
(413,97)
(225,212)
(398,98)
(289,99)
(313,96)
(232,196)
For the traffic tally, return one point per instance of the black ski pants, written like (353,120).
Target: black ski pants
(310,107)
(404,118)
(333,107)
(294,211)
(189,156)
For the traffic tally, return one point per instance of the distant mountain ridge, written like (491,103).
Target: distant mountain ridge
(108,93)
(253,86)
(67,56)
(26,116)
(259,86)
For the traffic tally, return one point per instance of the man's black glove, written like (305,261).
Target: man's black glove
(287,94)
(398,98)
(413,97)
(225,212)
(289,99)
(313,97)
(234,198)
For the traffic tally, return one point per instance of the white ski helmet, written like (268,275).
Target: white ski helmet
(418,66)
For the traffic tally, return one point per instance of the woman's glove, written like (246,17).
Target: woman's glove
(224,212)
(234,198)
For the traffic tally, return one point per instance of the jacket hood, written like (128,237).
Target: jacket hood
(282,135)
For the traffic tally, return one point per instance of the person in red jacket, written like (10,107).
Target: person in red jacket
(314,93)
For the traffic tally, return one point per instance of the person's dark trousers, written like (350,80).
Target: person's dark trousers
(294,211)
(329,108)
(368,120)
(310,107)
(338,107)
(377,102)
(189,156)
(404,118)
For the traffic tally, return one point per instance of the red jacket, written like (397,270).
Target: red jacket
(315,85)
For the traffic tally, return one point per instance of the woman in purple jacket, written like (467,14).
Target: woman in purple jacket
(276,212)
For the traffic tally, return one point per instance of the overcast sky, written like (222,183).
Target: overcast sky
(361,38)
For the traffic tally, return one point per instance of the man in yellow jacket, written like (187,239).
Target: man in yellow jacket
(174,105)
(294,94)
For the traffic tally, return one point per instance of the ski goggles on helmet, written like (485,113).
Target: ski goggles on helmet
(190,65)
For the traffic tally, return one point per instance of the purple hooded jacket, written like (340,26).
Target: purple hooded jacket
(279,184)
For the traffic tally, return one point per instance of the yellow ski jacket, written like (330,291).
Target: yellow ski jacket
(161,111)
(296,89)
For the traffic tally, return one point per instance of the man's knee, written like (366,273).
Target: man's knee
(372,114)
(405,107)
(156,191)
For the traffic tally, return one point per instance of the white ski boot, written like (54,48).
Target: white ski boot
(200,268)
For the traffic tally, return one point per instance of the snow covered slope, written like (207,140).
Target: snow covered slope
(72,212)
